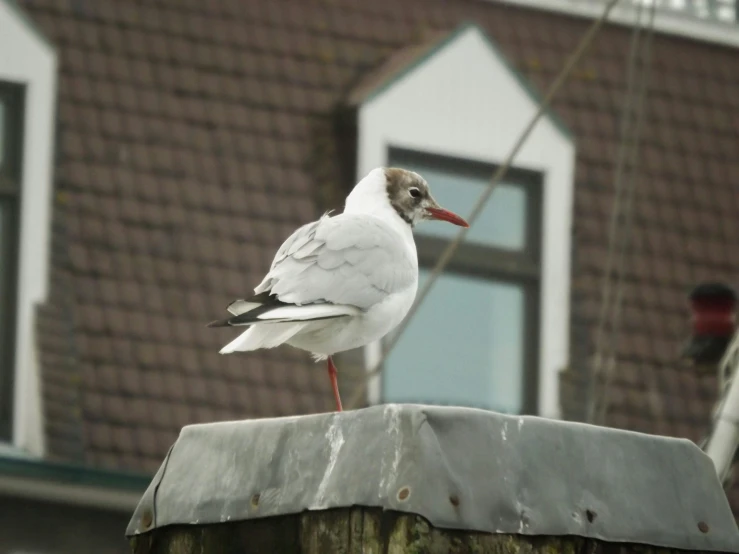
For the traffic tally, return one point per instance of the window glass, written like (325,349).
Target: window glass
(5,317)
(502,222)
(10,119)
(2,132)
(463,347)
(3,249)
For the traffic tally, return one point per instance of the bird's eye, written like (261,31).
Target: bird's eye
(414,192)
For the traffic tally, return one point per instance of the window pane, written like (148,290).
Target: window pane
(3,119)
(5,273)
(3,249)
(502,222)
(5,319)
(463,347)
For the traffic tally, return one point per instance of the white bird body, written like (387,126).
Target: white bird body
(342,282)
(371,253)
(337,335)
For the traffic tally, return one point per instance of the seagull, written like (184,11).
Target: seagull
(343,281)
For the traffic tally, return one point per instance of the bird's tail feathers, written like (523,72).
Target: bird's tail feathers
(238,307)
(263,336)
(273,322)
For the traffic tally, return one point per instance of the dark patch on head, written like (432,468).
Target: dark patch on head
(399,183)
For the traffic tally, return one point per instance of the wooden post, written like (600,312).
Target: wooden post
(358,531)
(416,479)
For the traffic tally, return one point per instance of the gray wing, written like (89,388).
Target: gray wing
(348,259)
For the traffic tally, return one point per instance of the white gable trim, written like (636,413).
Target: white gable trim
(27,58)
(465,101)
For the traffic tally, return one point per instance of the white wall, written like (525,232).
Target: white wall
(25,57)
(464,101)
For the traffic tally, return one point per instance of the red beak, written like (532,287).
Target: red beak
(446,215)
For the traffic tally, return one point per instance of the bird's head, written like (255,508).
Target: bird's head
(411,198)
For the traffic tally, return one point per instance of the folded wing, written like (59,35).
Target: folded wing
(333,267)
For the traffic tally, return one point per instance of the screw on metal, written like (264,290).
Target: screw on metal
(454,499)
(404,493)
(591,515)
(703,527)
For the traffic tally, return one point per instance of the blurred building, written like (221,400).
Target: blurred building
(154,155)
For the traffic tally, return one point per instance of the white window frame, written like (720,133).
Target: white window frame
(520,268)
(28,59)
(463,100)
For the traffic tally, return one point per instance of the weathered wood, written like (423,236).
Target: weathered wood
(358,531)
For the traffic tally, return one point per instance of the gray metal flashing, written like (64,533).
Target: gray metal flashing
(459,468)
(70,484)
(71,474)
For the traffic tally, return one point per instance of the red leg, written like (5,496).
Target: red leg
(334,382)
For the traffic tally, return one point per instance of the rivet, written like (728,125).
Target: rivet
(404,493)
(147,518)
(454,499)
(255,500)
(703,526)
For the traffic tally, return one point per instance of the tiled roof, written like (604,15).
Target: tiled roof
(195,136)
(394,66)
